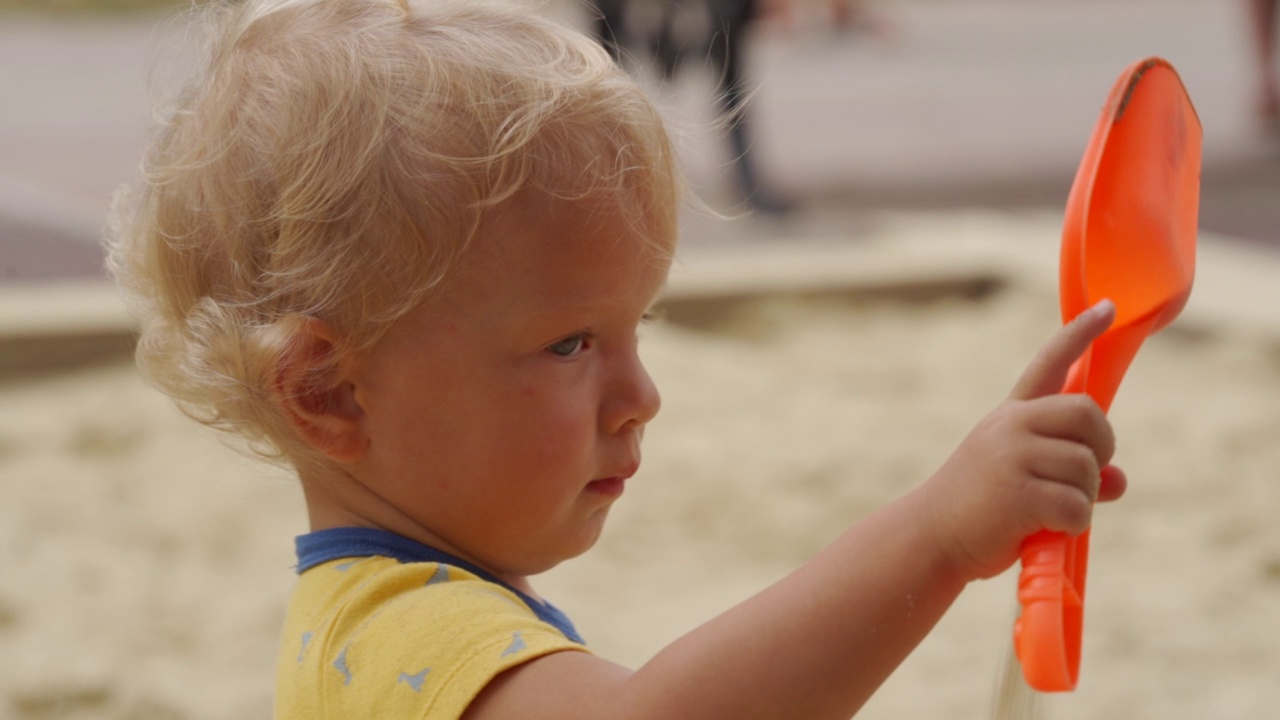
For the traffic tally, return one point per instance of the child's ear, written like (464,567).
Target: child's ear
(312,388)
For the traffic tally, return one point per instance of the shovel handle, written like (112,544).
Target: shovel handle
(1051,594)
(1050,625)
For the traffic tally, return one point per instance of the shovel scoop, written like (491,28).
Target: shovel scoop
(1129,234)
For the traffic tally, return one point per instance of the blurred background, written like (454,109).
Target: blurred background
(148,565)
(935,104)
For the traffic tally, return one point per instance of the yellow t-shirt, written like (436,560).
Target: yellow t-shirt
(383,632)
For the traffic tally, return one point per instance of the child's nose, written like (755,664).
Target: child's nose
(633,398)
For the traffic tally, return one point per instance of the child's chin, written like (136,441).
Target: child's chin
(591,535)
(579,545)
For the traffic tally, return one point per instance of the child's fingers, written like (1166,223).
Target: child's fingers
(1068,508)
(1062,508)
(1066,463)
(1076,418)
(1048,371)
(1113,484)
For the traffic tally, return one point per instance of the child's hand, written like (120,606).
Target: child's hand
(1038,462)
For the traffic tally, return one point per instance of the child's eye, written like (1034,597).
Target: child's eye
(569,346)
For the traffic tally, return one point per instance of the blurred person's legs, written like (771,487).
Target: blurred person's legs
(609,25)
(660,31)
(727,50)
(672,31)
(1263,18)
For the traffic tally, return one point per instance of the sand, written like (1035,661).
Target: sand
(147,566)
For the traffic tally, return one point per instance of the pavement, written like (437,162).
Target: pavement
(967,104)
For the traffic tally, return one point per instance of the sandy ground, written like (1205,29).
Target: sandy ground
(147,566)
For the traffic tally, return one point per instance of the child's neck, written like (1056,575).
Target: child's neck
(334,502)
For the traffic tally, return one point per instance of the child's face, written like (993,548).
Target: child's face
(504,419)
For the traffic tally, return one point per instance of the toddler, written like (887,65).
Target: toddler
(406,249)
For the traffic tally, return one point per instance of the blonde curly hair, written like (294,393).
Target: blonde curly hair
(332,159)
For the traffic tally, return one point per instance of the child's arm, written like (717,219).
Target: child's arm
(820,641)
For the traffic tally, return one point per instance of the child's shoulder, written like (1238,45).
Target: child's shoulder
(384,638)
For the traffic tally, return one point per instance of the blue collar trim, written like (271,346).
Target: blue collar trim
(322,546)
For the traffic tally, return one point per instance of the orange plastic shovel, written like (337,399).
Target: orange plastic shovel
(1129,235)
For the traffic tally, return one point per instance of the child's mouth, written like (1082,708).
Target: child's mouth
(609,487)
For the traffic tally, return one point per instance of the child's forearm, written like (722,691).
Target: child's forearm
(819,642)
